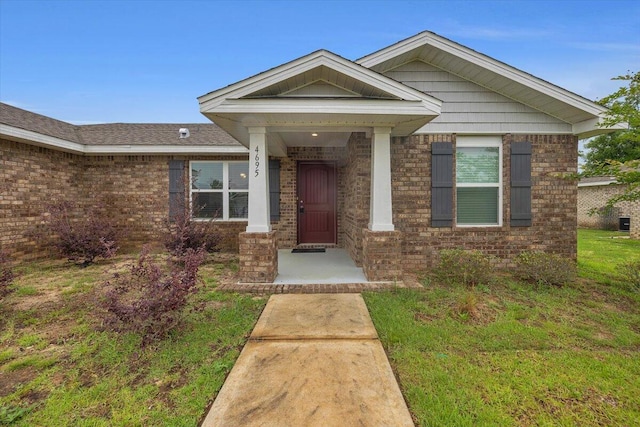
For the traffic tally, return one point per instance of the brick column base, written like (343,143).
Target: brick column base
(381,255)
(258,257)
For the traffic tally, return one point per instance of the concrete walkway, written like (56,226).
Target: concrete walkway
(311,360)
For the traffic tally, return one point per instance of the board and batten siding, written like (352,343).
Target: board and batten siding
(470,108)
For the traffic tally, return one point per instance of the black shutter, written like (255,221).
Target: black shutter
(176,188)
(274,189)
(521,184)
(442,184)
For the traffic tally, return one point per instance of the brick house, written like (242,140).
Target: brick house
(593,193)
(421,146)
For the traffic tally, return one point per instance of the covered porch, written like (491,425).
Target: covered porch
(303,113)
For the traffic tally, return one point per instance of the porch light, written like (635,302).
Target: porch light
(314,134)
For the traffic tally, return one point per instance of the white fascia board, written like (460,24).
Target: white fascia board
(326,106)
(500,68)
(593,127)
(35,138)
(309,62)
(597,183)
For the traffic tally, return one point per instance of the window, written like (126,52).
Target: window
(219,190)
(479,181)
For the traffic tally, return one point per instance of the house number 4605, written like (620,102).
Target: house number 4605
(257,159)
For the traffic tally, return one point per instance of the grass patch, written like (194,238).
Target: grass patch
(58,367)
(512,354)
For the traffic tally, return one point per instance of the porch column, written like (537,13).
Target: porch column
(381,212)
(259,220)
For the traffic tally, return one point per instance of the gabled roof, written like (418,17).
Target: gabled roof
(492,74)
(113,138)
(358,97)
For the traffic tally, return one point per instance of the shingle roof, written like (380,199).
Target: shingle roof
(116,133)
(155,134)
(34,122)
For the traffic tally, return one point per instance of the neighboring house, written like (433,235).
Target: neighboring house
(421,146)
(593,194)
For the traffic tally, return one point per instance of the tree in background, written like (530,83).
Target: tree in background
(617,154)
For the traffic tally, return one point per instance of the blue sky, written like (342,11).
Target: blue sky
(147,61)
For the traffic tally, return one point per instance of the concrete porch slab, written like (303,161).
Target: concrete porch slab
(319,316)
(333,266)
(310,383)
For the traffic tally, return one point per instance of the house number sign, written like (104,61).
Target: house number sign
(257,163)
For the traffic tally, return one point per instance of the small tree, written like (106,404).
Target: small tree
(618,154)
(85,238)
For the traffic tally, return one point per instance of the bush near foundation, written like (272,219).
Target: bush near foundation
(459,266)
(148,299)
(630,270)
(6,275)
(183,233)
(543,268)
(82,239)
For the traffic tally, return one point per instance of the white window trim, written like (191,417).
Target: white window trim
(224,190)
(482,141)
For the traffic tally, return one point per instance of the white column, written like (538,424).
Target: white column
(259,215)
(381,210)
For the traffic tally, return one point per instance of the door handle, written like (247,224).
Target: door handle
(301,207)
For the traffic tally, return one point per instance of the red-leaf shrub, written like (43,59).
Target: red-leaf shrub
(84,239)
(183,233)
(148,299)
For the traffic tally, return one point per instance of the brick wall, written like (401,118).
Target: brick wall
(133,188)
(30,178)
(553,203)
(357,190)
(595,197)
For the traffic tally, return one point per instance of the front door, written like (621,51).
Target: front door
(316,202)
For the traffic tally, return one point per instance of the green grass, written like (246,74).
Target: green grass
(513,354)
(58,366)
(600,252)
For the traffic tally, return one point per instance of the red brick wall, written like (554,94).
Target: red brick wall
(136,188)
(133,188)
(357,190)
(553,202)
(30,178)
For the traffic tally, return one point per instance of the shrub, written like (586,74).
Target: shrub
(82,240)
(463,267)
(6,275)
(182,233)
(149,300)
(544,268)
(631,272)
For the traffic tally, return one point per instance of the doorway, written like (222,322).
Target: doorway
(317,194)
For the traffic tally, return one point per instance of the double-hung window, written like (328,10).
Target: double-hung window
(478,180)
(219,189)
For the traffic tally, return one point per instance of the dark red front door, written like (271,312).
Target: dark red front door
(316,202)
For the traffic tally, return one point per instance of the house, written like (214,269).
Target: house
(421,146)
(593,194)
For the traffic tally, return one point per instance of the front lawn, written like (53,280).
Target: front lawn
(516,354)
(58,367)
